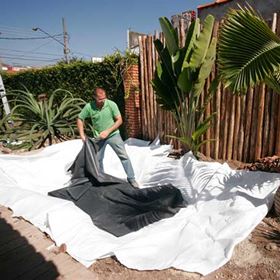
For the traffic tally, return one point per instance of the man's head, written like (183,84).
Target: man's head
(99,96)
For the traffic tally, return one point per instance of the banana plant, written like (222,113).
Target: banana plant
(180,77)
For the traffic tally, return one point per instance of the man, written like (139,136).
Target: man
(106,119)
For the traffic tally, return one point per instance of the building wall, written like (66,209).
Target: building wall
(132,102)
(264,7)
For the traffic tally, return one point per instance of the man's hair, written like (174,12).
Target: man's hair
(98,89)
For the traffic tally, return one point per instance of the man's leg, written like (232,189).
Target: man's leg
(101,147)
(117,145)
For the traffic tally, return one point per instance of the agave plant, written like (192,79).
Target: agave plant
(248,51)
(45,122)
(180,78)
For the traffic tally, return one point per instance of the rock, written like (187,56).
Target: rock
(5,150)
(271,247)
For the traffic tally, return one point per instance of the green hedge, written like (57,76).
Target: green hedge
(80,78)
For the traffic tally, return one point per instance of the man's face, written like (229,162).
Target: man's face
(100,97)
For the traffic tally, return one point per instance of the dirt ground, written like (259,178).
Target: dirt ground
(256,258)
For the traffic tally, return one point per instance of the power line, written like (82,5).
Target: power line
(18,51)
(24,55)
(13,58)
(28,38)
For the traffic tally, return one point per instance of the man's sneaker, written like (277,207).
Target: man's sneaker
(133,183)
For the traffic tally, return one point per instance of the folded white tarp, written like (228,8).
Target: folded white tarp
(224,206)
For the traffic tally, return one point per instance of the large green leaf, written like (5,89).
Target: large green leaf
(248,50)
(191,37)
(185,81)
(206,68)
(202,42)
(273,83)
(170,35)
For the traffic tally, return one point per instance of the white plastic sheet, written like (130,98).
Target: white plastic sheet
(224,206)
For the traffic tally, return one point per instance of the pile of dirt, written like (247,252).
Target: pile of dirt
(267,164)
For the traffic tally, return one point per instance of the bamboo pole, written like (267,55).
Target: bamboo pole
(203,137)
(260,117)
(273,122)
(157,111)
(265,145)
(240,155)
(254,126)
(142,72)
(155,61)
(236,134)
(207,114)
(147,107)
(150,88)
(277,134)
(227,106)
(249,108)
(222,122)
(218,121)
(274,100)
(182,32)
(231,119)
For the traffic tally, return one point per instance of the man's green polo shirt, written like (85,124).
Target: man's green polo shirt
(102,118)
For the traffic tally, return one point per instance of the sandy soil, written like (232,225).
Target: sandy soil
(257,257)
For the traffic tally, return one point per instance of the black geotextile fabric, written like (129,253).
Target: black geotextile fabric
(113,204)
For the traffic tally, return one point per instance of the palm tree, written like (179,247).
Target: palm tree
(249,53)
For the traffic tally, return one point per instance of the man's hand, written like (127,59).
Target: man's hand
(83,138)
(104,134)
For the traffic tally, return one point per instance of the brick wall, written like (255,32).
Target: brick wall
(132,101)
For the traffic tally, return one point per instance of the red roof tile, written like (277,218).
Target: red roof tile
(217,2)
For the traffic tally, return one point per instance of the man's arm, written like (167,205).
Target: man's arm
(118,121)
(80,125)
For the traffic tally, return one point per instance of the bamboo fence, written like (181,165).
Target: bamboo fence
(245,127)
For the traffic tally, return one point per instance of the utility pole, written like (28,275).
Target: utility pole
(65,40)
(4,97)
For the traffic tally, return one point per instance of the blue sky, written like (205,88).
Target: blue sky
(96,28)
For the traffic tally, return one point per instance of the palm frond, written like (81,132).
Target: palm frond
(248,50)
